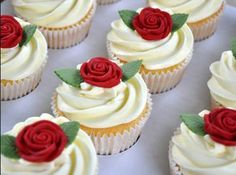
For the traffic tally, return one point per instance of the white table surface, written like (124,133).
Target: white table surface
(149,155)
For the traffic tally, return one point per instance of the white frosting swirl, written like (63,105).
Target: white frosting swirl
(77,159)
(98,107)
(129,45)
(197,155)
(20,62)
(223,81)
(197,9)
(56,13)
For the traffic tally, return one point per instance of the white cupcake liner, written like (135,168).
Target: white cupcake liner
(174,168)
(114,143)
(19,88)
(160,82)
(105,2)
(206,28)
(68,36)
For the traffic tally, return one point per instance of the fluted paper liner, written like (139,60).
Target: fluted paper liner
(164,81)
(105,2)
(68,36)
(119,138)
(205,28)
(174,167)
(160,81)
(13,89)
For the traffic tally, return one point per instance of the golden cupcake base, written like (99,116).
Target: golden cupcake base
(114,139)
(205,28)
(13,89)
(64,37)
(160,80)
(163,80)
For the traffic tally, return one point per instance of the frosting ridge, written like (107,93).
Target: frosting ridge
(223,81)
(20,62)
(112,106)
(127,45)
(78,158)
(56,13)
(205,157)
(197,9)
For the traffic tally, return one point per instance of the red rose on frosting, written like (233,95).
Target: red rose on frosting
(11,32)
(153,24)
(101,72)
(220,124)
(43,141)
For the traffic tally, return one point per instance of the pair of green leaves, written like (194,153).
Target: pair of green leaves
(233,47)
(195,123)
(128,15)
(8,142)
(28,32)
(72,76)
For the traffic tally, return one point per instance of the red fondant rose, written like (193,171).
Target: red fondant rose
(220,124)
(101,72)
(153,24)
(11,32)
(43,141)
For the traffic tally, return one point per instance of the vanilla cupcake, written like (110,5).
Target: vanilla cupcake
(64,23)
(49,146)
(205,144)
(203,15)
(222,84)
(162,41)
(111,102)
(23,57)
(105,2)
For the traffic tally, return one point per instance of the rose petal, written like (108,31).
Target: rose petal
(101,72)
(11,32)
(220,124)
(41,141)
(153,24)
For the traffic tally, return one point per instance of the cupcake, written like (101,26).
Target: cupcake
(111,102)
(23,57)
(203,15)
(47,145)
(105,2)
(205,144)
(162,41)
(222,84)
(64,23)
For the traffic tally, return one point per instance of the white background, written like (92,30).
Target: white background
(149,156)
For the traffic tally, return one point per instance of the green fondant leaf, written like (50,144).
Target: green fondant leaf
(178,21)
(70,129)
(70,76)
(28,32)
(127,16)
(8,147)
(195,123)
(130,69)
(233,47)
